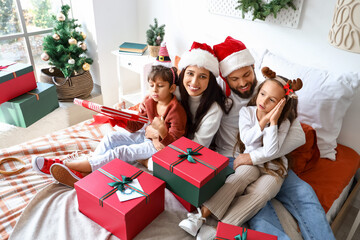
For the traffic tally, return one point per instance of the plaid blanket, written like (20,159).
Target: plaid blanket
(17,190)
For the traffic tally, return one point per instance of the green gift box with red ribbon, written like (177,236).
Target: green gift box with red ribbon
(15,79)
(226,231)
(98,200)
(190,170)
(28,108)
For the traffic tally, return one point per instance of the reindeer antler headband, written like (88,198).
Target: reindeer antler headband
(290,86)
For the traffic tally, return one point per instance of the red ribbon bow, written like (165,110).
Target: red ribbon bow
(288,89)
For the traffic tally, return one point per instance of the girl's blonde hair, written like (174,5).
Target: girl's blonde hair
(289,112)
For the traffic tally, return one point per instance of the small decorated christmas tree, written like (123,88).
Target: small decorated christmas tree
(65,48)
(155,34)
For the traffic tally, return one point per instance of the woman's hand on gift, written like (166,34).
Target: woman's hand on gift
(242,159)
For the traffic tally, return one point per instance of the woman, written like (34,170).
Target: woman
(201,96)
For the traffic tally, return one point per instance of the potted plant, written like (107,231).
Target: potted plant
(155,35)
(65,50)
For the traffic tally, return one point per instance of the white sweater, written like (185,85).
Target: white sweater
(229,128)
(270,139)
(210,122)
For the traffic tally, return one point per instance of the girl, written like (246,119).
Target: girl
(166,115)
(264,123)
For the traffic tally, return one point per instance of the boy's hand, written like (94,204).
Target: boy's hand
(119,106)
(159,125)
(151,133)
(142,107)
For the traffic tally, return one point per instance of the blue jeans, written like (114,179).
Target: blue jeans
(231,162)
(300,200)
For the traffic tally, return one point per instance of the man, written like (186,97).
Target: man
(239,82)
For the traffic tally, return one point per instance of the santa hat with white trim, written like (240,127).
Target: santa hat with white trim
(201,55)
(232,55)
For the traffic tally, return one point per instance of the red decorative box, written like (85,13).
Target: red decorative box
(226,231)
(15,80)
(124,219)
(188,206)
(195,181)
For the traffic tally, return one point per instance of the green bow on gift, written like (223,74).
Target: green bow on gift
(120,185)
(243,235)
(189,154)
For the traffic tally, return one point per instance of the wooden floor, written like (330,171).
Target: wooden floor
(346,222)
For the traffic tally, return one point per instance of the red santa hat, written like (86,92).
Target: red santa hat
(163,59)
(200,55)
(232,55)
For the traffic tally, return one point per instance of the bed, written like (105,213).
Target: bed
(32,206)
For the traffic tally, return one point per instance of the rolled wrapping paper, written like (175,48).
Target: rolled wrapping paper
(110,112)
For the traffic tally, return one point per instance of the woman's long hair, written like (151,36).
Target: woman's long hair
(213,93)
(289,112)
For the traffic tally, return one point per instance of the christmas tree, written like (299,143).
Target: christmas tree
(65,48)
(155,35)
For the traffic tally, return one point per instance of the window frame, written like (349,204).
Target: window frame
(26,35)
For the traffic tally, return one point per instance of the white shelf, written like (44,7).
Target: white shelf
(140,64)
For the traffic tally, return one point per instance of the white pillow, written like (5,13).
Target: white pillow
(258,54)
(323,99)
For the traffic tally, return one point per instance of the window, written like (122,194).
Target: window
(23,25)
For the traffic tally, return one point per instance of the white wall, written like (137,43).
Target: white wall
(188,20)
(107,24)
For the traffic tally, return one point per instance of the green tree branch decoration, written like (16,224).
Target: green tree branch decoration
(155,34)
(261,9)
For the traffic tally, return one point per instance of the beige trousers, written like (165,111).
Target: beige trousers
(244,193)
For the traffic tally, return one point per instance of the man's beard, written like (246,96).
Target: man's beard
(246,94)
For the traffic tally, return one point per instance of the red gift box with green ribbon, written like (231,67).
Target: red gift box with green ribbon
(15,79)
(190,170)
(30,107)
(98,200)
(226,231)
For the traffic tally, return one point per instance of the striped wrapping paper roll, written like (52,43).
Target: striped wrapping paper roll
(110,112)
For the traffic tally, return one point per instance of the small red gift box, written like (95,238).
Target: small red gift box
(15,80)
(188,206)
(190,170)
(226,231)
(99,201)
